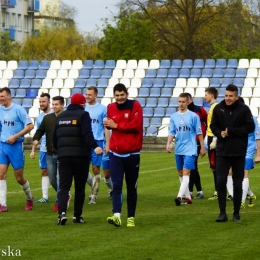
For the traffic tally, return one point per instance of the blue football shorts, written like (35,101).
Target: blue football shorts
(43,160)
(185,162)
(96,159)
(12,154)
(249,164)
(105,162)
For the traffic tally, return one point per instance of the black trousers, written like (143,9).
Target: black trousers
(195,175)
(223,165)
(78,168)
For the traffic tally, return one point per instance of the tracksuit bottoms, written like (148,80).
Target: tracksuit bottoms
(128,167)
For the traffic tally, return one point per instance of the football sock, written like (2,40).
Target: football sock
(96,182)
(3,188)
(27,191)
(230,185)
(184,186)
(90,179)
(245,186)
(117,214)
(109,183)
(250,192)
(45,186)
(180,179)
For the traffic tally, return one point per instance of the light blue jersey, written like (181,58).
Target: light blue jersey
(38,123)
(185,127)
(97,113)
(252,137)
(13,120)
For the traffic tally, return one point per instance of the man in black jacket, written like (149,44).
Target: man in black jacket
(231,123)
(73,139)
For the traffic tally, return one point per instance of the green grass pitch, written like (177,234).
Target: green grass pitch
(163,231)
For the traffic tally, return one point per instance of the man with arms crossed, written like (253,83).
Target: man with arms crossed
(45,107)
(15,123)
(125,119)
(184,126)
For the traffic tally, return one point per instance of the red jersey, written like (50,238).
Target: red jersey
(128,136)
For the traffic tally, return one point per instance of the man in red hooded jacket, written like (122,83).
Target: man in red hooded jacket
(125,119)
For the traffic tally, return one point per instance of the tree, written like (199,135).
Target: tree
(9,49)
(132,37)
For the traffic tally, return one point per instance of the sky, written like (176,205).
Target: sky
(90,12)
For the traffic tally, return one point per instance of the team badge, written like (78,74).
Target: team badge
(257,133)
(182,122)
(6,116)
(126,115)
(74,122)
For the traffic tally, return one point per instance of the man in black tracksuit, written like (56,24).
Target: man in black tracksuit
(231,123)
(73,139)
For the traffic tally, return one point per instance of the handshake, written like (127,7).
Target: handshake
(213,144)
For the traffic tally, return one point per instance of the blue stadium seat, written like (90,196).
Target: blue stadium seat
(221,63)
(229,73)
(12,92)
(156,120)
(150,73)
(225,82)
(143,92)
(240,73)
(80,83)
(198,64)
(198,101)
(110,64)
(165,64)
(162,73)
(101,92)
(169,111)
(14,83)
(173,102)
(151,102)
(25,83)
(18,74)
(210,64)
(151,131)
(146,121)
(88,64)
(184,73)
(195,73)
(206,73)
(147,83)
(22,65)
(215,82)
(169,83)
(20,93)
(141,101)
(239,82)
(99,64)
(187,64)
(166,92)
(32,93)
(84,74)
(232,63)
(221,92)
(33,65)
(158,83)
(27,103)
(218,73)
(44,65)
(106,73)
(102,83)
(76,90)
(173,73)
(91,82)
(147,111)
(155,92)
(40,74)
(162,102)
(29,74)
(176,64)
(95,74)
(36,83)
(17,101)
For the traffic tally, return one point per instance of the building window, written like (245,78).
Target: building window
(13,22)
(26,27)
(19,22)
(7,20)
(3,19)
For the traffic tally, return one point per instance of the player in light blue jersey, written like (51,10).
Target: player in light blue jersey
(97,113)
(184,126)
(44,103)
(15,124)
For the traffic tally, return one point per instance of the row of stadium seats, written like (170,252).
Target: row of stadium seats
(131,64)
